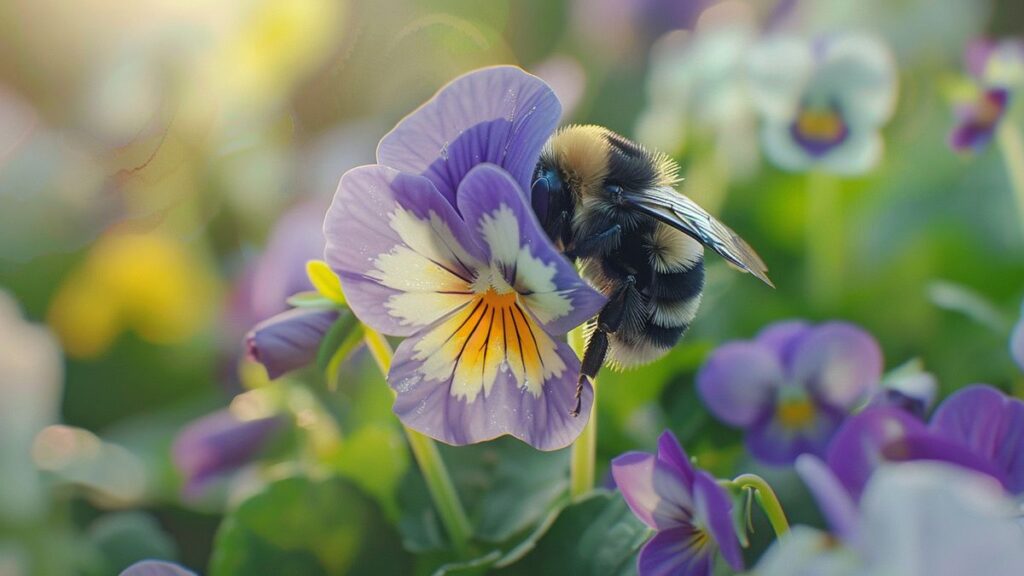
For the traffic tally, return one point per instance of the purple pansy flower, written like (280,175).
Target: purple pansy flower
(990,425)
(909,388)
(438,243)
(792,386)
(290,340)
(996,70)
(883,434)
(217,444)
(690,511)
(914,519)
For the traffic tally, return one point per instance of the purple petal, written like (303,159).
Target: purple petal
(392,286)
(433,400)
(990,425)
(838,363)
(739,381)
(500,115)
(280,272)
(977,121)
(671,453)
(976,56)
(656,493)
(917,446)
(674,552)
(833,499)
(156,568)
(777,444)
(714,509)
(857,447)
(782,337)
(219,443)
(290,340)
(1017,343)
(495,209)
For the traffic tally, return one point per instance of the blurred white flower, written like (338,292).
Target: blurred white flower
(917,518)
(696,85)
(31,374)
(822,102)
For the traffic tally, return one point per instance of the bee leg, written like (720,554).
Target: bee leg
(608,322)
(589,246)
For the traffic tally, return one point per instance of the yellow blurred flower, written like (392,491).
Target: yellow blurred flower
(151,284)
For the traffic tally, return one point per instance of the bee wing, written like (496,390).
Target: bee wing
(683,214)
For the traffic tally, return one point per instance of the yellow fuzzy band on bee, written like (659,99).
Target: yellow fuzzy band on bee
(583,152)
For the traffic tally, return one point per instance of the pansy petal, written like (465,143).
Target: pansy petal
(671,453)
(501,115)
(860,152)
(976,56)
(857,447)
(838,363)
(404,256)
(739,381)
(781,338)
(833,499)
(289,340)
(782,149)
(488,371)
(988,423)
(656,493)
(714,510)
(860,71)
(778,69)
(518,249)
(219,443)
(775,443)
(676,552)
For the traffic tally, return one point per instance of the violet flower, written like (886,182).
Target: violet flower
(915,519)
(883,434)
(990,425)
(691,513)
(438,243)
(792,386)
(996,70)
(290,340)
(217,444)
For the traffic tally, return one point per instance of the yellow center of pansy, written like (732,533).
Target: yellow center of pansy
(796,412)
(820,125)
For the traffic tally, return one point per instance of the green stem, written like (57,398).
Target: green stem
(581,467)
(824,240)
(1012,147)
(766,498)
(439,483)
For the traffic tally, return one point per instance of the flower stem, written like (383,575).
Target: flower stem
(581,466)
(824,239)
(439,483)
(766,498)
(1012,147)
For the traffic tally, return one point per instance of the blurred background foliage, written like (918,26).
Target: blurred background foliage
(149,148)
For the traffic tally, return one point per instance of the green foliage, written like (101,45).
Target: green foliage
(300,526)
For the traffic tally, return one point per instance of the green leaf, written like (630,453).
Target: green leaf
(124,538)
(375,458)
(597,536)
(506,486)
(299,526)
(339,332)
(310,299)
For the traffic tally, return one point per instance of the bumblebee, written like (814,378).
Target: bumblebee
(611,205)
